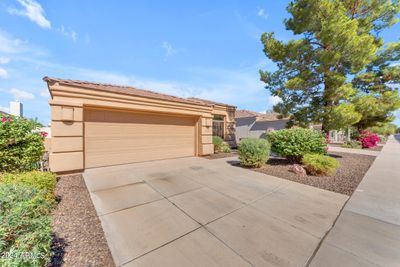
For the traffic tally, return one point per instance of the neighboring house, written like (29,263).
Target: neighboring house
(255,124)
(96,125)
(16,109)
(5,114)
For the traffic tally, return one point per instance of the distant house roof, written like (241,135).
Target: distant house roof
(121,89)
(2,113)
(269,116)
(210,102)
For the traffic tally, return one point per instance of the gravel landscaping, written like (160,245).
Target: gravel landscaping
(78,237)
(346,179)
(222,155)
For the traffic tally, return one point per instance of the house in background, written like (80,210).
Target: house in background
(2,113)
(256,124)
(16,109)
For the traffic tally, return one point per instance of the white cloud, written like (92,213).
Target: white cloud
(261,13)
(9,44)
(5,109)
(273,100)
(68,33)
(168,50)
(33,11)
(4,60)
(3,73)
(44,93)
(20,94)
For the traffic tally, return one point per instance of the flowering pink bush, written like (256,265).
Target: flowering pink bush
(327,138)
(5,119)
(43,134)
(368,139)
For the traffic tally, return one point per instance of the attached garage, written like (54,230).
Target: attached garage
(118,137)
(96,125)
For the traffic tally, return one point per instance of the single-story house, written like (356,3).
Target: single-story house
(95,125)
(4,114)
(256,124)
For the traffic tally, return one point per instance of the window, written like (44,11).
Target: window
(218,126)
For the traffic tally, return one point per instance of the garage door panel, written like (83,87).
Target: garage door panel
(114,129)
(121,137)
(104,145)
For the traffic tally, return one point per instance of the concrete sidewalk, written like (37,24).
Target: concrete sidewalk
(367,233)
(353,150)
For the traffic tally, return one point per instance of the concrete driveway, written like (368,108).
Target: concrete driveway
(200,212)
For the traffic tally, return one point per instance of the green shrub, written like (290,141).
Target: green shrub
(25,226)
(295,142)
(253,152)
(21,148)
(317,164)
(217,142)
(382,138)
(352,144)
(220,145)
(226,148)
(45,182)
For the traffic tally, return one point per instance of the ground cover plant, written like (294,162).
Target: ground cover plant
(320,165)
(26,202)
(352,144)
(253,152)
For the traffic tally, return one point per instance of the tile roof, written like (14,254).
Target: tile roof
(121,89)
(2,113)
(269,116)
(210,102)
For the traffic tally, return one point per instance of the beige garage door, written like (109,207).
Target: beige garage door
(114,137)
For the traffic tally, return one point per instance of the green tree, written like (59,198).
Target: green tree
(384,129)
(377,96)
(337,39)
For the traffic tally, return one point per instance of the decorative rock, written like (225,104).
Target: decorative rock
(298,170)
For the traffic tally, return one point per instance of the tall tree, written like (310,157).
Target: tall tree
(377,96)
(337,39)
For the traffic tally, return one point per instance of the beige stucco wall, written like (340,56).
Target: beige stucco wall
(69,102)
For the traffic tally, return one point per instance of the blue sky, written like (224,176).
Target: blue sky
(207,49)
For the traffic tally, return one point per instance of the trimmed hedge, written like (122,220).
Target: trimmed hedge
(26,203)
(21,145)
(294,143)
(320,165)
(253,152)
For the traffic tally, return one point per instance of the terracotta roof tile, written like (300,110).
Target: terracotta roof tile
(209,102)
(121,89)
(269,116)
(2,113)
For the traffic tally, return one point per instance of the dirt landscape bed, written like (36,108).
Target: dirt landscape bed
(346,179)
(222,155)
(78,237)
